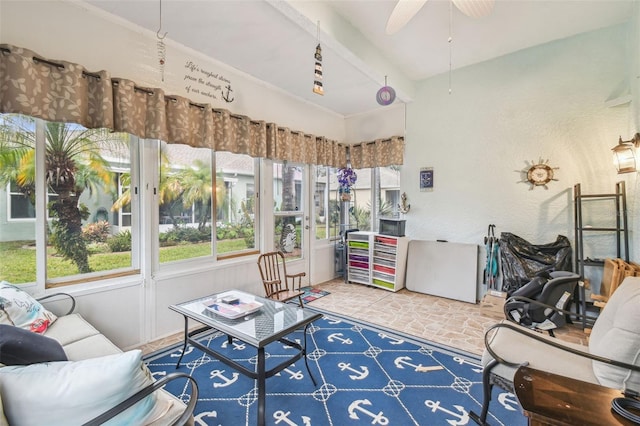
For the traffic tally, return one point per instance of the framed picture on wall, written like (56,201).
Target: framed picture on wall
(426,179)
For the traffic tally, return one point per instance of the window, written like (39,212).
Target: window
(122,215)
(21,202)
(185,204)
(387,191)
(361,193)
(326,203)
(288,181)
(20,205)
(236,207)
(379,187)
(77,165)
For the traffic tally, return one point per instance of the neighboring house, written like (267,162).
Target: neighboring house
(236,171)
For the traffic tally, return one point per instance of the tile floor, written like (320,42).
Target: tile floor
(449,322)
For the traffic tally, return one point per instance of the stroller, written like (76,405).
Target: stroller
(532,304)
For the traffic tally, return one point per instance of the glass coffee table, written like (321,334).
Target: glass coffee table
(254,320)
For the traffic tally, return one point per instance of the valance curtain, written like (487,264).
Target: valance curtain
(62,91)
(379,153)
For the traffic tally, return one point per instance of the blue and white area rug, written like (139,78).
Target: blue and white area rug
(366,376)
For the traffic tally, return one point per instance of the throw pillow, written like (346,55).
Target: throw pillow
(19,309)
(22,347)
(74,392)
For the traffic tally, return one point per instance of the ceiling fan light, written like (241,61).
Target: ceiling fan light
(475,8)
(402,13)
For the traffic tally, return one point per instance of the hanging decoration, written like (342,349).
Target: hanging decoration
(386,95)
(450,39)
(162,49)
(347,177)
(317,76)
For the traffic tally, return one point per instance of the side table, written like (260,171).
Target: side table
(549,399)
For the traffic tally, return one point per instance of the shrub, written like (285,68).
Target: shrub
(249,237)
(184,234)
(97,232)
(120,242)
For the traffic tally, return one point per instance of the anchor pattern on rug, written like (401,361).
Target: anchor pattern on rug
(220,380)
(357,410)
(283,417)
(365,375)
(508,401)
(200,418)
(358,374)
(461,417)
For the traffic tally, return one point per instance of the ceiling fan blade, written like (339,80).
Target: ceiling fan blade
(475,8)
(402,13)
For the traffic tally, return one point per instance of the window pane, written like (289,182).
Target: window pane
(81,166)
(17,223)
(235,203)
(288,208)
(21,207)
(360,210)
(388,191)
(326,203)
(78,174)
(185,202)
(288,235)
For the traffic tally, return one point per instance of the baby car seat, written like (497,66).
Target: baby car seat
(549,288)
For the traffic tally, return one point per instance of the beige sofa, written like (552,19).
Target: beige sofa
(82,342)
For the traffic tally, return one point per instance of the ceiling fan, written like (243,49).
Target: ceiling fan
(407,9)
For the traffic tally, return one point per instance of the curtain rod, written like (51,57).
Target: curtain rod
(58,65)
(53,64)
(373,142)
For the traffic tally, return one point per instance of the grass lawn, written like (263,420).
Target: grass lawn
(18,263)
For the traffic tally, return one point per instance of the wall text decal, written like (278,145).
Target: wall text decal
(203,82)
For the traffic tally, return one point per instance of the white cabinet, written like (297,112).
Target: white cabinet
(377,260)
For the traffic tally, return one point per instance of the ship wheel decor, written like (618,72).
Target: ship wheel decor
(538,173)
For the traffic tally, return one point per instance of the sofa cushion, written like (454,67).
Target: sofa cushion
(71,328)
(22,347)
(519,348)
(90,347)
(616,335)
(19,309)
(74,392)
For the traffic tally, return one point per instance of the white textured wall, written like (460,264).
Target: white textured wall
(545,102)
(382,123)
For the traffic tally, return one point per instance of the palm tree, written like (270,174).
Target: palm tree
(185,188)
(196,189)
(73,164)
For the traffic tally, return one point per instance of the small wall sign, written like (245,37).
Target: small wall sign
(426,179)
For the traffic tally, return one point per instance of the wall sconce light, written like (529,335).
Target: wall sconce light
(625,154)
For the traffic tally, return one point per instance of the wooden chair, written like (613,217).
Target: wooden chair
(278,285)
(613,273)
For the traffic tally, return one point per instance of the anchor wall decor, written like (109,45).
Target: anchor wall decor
(227,96)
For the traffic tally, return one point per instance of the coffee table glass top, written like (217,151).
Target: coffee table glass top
(268,323)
